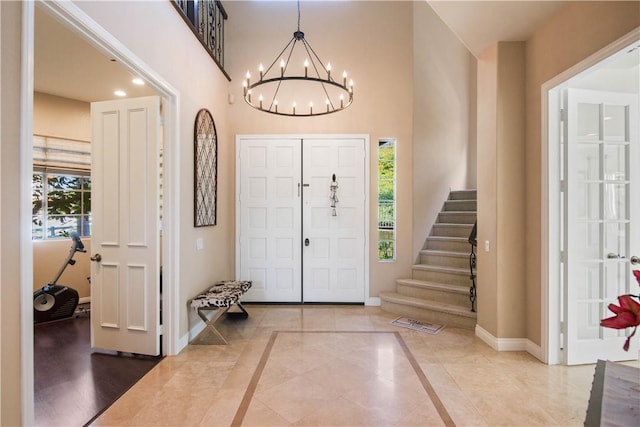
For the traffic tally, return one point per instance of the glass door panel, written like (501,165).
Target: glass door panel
(601,144)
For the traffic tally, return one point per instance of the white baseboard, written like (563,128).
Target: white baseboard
(373,301)
(509,344)
(84,300)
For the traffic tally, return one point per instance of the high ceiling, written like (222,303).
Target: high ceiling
(478,24)
(68,66)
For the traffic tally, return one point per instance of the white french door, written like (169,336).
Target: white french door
(602,220)
(289,242)
(125,298)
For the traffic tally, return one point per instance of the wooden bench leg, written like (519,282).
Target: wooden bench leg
(210,334)
(242,314)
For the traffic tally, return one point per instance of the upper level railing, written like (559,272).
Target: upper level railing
(206,20)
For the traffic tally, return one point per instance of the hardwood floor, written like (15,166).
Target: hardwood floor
(73,384)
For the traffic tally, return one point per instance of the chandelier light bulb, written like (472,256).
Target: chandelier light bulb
(344,78)
(327,102)
(310,108)
(341,101)
(261,70)
(260,99)
(306,67)
(249,95)
(282,64)
(328,71)
(294,108)
(248,78)
(350,85)
(275,104)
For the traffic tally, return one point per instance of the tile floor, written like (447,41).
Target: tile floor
(347,366)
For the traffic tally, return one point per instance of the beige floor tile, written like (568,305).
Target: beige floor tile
(361,376)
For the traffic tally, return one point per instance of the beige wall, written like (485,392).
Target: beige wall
(61,117)
(487,281)
(574,33)
(373,42)
(501,182)
(444,119)
(10,368)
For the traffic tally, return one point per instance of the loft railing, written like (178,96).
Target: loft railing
(472,265)
(206,20)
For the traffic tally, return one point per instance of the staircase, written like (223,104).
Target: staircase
(438,292)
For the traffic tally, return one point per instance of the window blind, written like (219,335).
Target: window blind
(60,153)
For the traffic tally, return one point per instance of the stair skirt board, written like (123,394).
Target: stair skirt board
(438,291)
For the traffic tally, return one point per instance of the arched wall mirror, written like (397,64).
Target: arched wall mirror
(205,151)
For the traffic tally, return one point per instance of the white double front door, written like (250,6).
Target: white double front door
(291,242)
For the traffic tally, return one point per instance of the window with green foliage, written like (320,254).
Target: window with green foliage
(61,203)
(386,200)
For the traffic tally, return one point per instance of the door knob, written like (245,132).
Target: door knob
(306,242)
(635,260)
(96,258)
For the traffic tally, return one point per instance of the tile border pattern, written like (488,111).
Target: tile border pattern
(253,384)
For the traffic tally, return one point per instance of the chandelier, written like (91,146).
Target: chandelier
(278,90)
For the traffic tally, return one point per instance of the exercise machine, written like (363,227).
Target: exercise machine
(54,301)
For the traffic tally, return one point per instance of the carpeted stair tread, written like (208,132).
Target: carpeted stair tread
(433,285)
(397,298)
(444,253)
(451,270)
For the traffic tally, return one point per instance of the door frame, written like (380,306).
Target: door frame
(550,93)
(77,20)
(368,300)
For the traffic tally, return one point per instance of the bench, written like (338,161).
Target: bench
(219,298)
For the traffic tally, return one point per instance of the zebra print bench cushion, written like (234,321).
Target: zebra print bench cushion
(222,294)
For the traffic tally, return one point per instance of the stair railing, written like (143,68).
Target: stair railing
(472,265)
(206,20)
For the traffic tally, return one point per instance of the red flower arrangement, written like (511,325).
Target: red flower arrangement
(627,314)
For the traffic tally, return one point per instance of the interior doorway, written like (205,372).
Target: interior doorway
(592,130)
(75,20)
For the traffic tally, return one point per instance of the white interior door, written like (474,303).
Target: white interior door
(269,194)
(602,220)
(334,238)
(125,299)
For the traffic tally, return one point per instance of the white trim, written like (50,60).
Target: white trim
(26,246)
(84,300)
(367,183)
(373,302)
(508,344)
(549,349)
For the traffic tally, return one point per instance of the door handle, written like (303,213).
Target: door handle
(611,255)
(96,258)
(306,242)
(635,260)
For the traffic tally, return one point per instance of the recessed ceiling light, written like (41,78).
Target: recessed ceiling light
(120,93)
(137,81)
